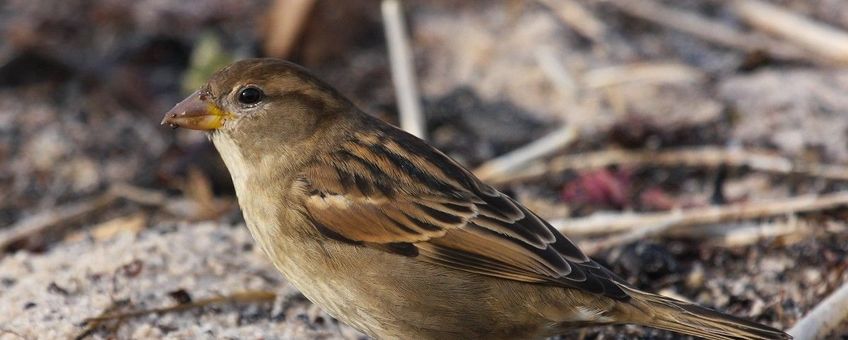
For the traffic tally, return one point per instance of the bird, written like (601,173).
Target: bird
(395,238)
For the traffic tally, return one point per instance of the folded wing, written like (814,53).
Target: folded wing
(391,191)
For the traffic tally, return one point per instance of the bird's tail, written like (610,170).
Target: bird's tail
(678,316)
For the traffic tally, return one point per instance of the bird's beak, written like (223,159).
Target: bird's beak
(196,113)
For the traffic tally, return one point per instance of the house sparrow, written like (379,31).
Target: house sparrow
(398,240)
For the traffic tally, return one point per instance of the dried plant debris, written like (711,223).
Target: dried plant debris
(803,113)
(170,281)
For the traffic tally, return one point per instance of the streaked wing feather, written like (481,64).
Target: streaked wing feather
(391,191)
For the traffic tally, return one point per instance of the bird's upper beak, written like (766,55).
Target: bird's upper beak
(197,113)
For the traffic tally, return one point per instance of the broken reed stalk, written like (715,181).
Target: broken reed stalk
(824,318)
(710,157)
(109,314)
(403,69)
(665,222)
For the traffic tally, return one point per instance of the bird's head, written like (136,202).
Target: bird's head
(259,100)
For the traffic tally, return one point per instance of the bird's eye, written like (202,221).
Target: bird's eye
(250,95)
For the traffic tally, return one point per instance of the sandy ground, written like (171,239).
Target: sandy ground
(50,296)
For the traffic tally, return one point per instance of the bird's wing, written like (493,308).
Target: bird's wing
(391,191)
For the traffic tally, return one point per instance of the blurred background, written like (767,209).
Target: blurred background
(632,109)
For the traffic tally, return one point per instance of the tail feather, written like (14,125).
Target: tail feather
(678,316)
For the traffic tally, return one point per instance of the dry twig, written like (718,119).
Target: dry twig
(91,326)
(242,297)
(709,30)
(649,72)
(503,168)
(822,320)
(592,247)
(710,157)
(745,234)
(557,73)
(665,222)
(52,221)
(403,71)
(4,331)
(505,164)
(725,235)
(826,41)
(139,195)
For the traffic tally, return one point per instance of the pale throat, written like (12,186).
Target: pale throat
(256,201)
(233,159)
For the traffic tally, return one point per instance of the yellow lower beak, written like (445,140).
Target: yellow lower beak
(196,113)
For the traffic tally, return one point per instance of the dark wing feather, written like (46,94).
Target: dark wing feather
(391,191)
